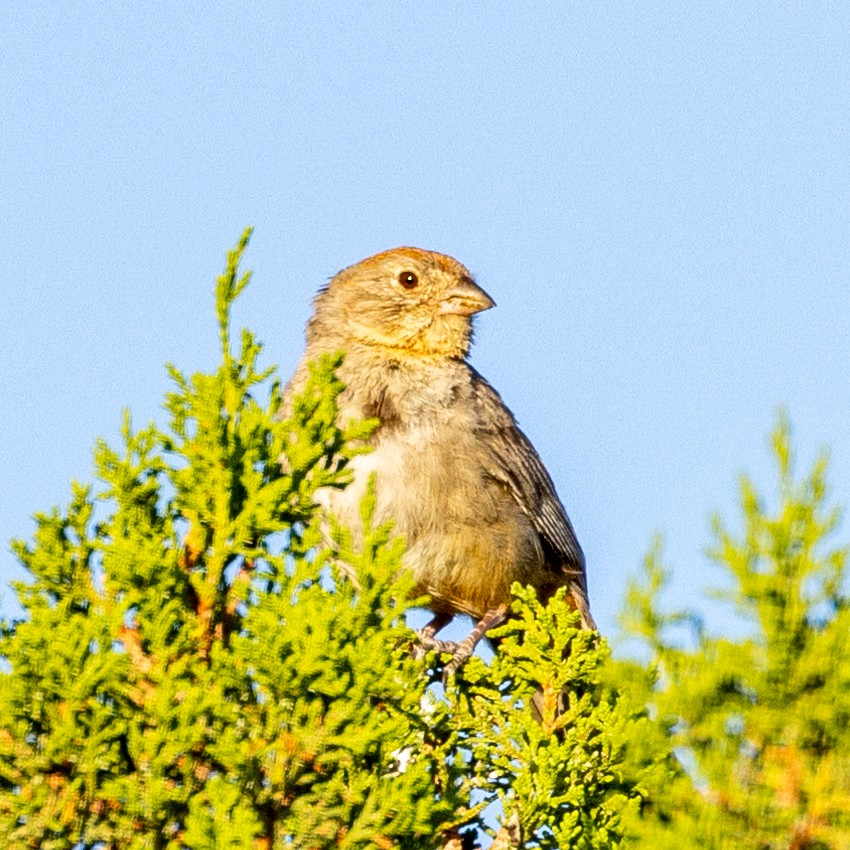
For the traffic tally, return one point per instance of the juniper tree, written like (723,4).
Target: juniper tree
(198,666)
(762,723)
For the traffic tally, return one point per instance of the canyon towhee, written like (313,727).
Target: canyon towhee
(460,481)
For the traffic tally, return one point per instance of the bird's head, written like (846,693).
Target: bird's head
(406,299)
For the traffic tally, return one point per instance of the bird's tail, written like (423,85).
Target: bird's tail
(578,595)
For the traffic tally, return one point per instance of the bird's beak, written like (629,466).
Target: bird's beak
(465,299)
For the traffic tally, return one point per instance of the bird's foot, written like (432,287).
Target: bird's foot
(427,641)
(463,651)
(467,646)
(447,647)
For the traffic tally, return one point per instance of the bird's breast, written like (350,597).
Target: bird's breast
(430,467)
(467,537)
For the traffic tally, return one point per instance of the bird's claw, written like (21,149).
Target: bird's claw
(462,652)
(427,643)
(459,652)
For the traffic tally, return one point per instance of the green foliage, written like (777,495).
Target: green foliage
(196,669)
(542,732)
(760,722)
(202,664)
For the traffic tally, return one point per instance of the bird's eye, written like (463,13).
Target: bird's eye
(408,280)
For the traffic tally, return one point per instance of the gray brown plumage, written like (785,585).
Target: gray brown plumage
(454,472)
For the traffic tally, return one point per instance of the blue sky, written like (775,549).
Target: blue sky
(656,195)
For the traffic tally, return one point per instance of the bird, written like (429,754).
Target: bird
(460,481)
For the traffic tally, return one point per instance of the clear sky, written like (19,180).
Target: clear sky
(656,195)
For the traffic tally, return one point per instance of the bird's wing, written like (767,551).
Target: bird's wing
(515,462)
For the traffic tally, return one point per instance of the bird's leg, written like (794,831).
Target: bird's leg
(437,622)
(466,647)
(428,641)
